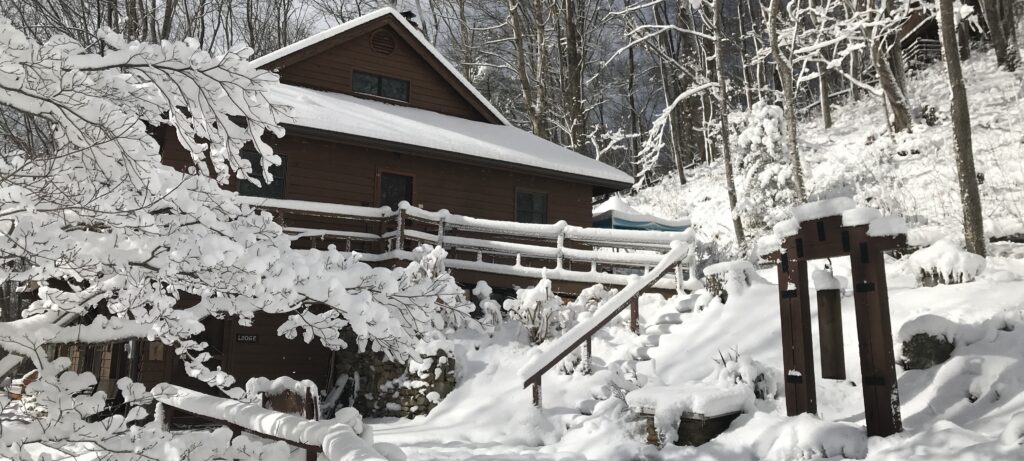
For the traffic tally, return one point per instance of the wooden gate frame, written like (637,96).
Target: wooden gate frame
(828,238)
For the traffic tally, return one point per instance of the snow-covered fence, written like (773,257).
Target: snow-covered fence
(559,252)
(580,335)
(341,438)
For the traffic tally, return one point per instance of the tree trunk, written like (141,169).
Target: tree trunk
(823,95)
(574,77)
(974,232)
(895,99)
(784,67)
(723,116)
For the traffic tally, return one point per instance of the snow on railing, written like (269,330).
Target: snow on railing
(556,242)
(336,438)
(575,337)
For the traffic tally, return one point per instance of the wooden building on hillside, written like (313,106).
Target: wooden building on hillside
(379,116)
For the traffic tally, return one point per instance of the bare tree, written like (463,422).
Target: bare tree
(784,67)
(970,198)
(723,117)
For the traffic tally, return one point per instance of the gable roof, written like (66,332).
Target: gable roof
(297,51)
(342,117)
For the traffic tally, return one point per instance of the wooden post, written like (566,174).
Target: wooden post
(874,335)
(679,279)
(830,332)
(634,314)
(440,232)
(587,352)
(797,347)
(560,244)
(312,412)
(537,402)
(400,230)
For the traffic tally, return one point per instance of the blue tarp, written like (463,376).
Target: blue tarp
(617,214)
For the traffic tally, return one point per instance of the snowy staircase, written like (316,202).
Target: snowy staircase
(640,370)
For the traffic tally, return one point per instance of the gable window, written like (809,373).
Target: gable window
(531,206)
(379,85)
(273,190)
(394,188)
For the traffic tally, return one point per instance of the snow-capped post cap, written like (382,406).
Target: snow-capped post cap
(768,244)
(822,208)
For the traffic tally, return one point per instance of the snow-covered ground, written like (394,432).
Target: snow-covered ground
(970,407)
(959,408)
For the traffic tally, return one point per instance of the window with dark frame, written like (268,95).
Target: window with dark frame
(273,190)
(394,188)
(531,206)
(379,85)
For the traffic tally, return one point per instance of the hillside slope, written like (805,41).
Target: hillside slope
(911,174)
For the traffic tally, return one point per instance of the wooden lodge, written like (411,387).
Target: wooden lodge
(388,147)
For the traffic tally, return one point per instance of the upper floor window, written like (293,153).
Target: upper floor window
(379,85)
(531,206)
(273,190)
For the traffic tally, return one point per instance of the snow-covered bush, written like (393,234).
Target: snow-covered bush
(538,309)
(945,262)
(585,304)
(490,308)
(110,240)
(806,436)
(733,368)
(764,179)
(729,278)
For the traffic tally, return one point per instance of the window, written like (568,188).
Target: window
(394,188)
(379,85)
(531,206)
(273,190)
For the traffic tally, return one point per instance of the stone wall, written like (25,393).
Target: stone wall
(384,388)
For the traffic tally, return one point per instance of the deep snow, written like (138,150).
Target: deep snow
(961,407)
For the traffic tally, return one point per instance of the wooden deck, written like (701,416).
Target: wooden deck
(502,253)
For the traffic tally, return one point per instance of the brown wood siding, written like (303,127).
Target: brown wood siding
(323,171)
(331,70)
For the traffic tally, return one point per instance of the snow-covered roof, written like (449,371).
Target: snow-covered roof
(350,115)
(367,18)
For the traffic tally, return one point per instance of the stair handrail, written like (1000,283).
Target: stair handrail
(534,370)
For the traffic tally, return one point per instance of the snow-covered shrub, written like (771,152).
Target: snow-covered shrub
(764,179)
(490,308)
(806,436)
(945,262)
(729,278)
(538,309)
(733,368)
(585,304)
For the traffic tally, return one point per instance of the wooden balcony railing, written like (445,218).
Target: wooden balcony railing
(580,335)
(559,251)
